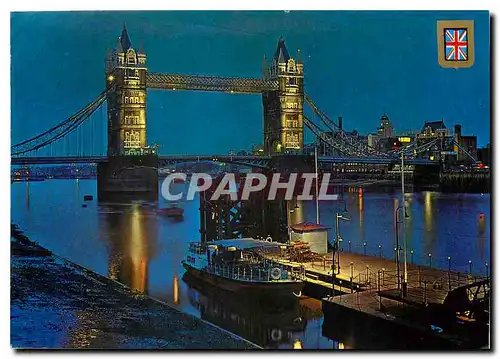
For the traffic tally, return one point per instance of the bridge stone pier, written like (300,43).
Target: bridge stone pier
(291,164)
(128,177)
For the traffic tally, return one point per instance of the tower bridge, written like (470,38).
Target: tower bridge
(127,82)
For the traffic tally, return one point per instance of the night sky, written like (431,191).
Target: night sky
(358,65)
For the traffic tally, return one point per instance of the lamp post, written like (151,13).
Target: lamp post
(336,248)
(338,238)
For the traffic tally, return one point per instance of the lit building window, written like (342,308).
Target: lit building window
(131,120)
(292,140)
(132,139)
(131,59)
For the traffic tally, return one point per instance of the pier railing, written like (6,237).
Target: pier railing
(415,258)
(424,285)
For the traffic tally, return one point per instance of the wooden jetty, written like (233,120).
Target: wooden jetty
(355,272)
(441,308)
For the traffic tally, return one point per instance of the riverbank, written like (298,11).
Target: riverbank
(56,304)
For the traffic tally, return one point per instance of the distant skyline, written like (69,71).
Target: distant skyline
(358,65)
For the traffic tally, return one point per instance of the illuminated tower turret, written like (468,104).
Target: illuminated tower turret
(283,129)
(126,71)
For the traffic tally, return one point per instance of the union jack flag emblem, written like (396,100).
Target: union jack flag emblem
(456,44)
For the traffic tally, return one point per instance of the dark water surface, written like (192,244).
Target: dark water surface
(143,249)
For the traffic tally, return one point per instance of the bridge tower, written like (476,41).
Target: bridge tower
(131,170)
(126,71)
(283,128)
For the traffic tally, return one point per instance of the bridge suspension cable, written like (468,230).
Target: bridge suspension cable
(323,137)
(415,149)
(344,143)
(60,130)
(464,151)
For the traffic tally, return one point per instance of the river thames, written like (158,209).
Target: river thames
(135,245)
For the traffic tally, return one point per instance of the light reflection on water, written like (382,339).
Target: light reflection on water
(143,249)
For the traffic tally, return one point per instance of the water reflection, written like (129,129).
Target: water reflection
(176,289)
(429,222)
(266,326)
(131,230)
(481,235)
(395,215)
(360,208)
(84,332)
(27,196)
(428,211)
(134,245)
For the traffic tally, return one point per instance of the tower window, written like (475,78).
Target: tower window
(131,120)
(137,73)
(131,58)
(132,139)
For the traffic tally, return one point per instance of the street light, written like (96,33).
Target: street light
(336,247)
(338,238)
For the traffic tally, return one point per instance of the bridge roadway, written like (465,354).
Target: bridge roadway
(253,161)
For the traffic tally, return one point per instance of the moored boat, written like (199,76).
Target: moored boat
(172,211)
(238,265)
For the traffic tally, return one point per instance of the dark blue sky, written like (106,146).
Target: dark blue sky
(357,65)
